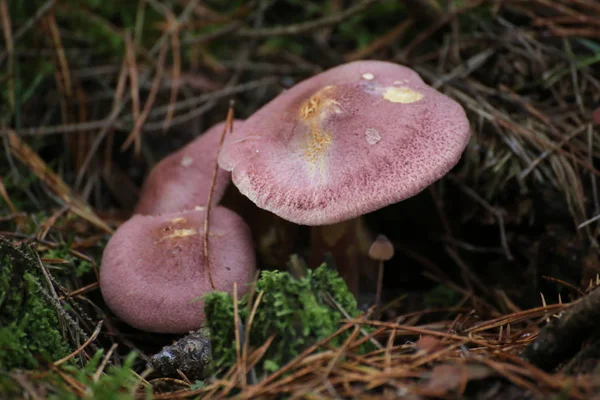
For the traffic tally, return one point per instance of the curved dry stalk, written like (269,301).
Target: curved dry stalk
(228,127)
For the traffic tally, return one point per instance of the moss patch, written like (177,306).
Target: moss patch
(29,328)
(296,311)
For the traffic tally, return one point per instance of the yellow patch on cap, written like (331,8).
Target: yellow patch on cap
(178,219)
(402,95)
(179,233)
(317,141)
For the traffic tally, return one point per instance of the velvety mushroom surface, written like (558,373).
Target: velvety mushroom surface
(153,267)
(182,180)
(346,142)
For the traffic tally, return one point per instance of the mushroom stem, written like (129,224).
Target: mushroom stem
(381,250)
(348,243)
(379,289)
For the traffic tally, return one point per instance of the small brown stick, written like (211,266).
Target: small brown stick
(38,166)
(428,11)
(80,348)
(563,338)
(388,38)
(39,14)
(133,75)
(245,349)
(309,26)
(10,50)
(98,373)
(79,291)
(228,127)
(176,53)
(134,135)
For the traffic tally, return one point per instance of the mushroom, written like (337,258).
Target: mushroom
(182,180)
(381,250)
(153,267)
(346,142)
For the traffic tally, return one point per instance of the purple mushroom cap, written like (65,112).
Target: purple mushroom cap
(346,142)
(153,267)
(182,180)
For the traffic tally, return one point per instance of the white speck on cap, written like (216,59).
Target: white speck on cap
(372,135)
(186,161)
(368,76)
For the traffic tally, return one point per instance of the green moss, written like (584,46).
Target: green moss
(298,312)
(29,328)
(116,384)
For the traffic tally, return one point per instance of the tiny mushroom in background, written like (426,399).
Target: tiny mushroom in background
(381,250)
(182,180)
(153,267)
(344,143)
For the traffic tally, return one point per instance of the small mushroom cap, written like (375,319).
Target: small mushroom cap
(182,180)
(346,142)
(381,249)
(153,267)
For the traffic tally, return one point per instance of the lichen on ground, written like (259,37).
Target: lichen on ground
(29,326)
(297,312)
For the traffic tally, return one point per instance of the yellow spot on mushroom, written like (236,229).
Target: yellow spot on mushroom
(178,219)
(317,144)
(368,76)
(402,95)
(199,208)
(310,107)
(180,233)
(313,112)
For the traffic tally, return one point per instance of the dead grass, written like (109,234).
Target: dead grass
(525,70)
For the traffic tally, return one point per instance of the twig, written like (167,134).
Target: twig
(135,133)
(39,14)
(80,348)
(563,337)
(304,27)
(228,127)
(10,49)
(109,353)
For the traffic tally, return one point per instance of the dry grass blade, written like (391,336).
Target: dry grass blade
(306,26)
(526,73)
(6,197)
(134,136)
(133,76)
(10,49)
(176,52)
(34,162)
(227,127)
(82,347)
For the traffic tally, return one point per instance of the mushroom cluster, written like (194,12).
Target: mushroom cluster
(153,268)
(341,144)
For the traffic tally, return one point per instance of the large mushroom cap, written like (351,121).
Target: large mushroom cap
(346,142)
(153,267)
(182,180)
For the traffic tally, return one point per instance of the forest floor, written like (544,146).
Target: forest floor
(491,292)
